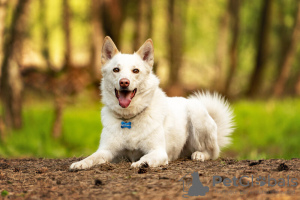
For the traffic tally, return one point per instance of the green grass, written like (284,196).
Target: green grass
(266,129)
(263,130)
(80,132)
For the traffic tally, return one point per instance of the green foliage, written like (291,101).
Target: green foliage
(267,129)
(4,193)
(263,130)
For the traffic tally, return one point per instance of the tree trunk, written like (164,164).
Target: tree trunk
(233,57)
(96,43)
(3,8)
(284,36)
(58,113)
(176,16)
(11,84)
(149,18)
(143,22)
(112,19)
(297,86)
(2,129)
(149,22)
(288,58)
(60,91)
(67,34)
(137,39)
(45,35)
(221,50)
(262,49)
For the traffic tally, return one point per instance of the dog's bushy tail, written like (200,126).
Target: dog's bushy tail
(219,109)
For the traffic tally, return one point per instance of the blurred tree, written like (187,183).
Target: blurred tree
(284,33)
(67,84)
(149,18)
(62,86)
(61,82)
(149,24)
(234,7)
(289,55)
(67,34)
(297,86)
(45,34)
(262,49)
(137,39)
(175,35)
(113,17)
(3,8)
(97,36)
(143,22)
(11,84)
(221,51)
(51,72)
(143,19)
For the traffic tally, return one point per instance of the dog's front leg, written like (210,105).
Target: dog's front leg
(154,158)
(154,146)
(99,157)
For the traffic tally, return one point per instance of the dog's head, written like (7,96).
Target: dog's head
(127,78)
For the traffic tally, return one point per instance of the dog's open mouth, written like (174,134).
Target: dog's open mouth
(125,97)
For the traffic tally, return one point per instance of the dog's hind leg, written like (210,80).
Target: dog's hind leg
(203,136)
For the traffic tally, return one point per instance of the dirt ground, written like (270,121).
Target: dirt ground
(51,179)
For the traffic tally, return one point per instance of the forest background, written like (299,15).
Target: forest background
(50,68)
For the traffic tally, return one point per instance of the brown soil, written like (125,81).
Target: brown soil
(51,179)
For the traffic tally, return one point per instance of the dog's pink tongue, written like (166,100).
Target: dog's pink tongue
(124,99)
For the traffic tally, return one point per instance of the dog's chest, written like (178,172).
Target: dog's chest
(132,138)
(137,137)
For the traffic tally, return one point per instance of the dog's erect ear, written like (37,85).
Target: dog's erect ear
(146,52)
(109,50)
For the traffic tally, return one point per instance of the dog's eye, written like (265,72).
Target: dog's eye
(116,69)
(135,71)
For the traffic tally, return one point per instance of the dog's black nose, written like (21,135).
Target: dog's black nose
(124,82)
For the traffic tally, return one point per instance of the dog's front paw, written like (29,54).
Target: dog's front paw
(81,165)
(138,164)
(150,163)
(200,156)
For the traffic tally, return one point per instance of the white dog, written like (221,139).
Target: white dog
(144,125)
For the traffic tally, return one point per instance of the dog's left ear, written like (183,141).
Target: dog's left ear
(146,52)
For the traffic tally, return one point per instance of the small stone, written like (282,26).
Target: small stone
(283,167)
(16,169)
(254,163)
(42,170)
(98,182)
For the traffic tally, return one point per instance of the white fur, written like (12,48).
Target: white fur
(163,128)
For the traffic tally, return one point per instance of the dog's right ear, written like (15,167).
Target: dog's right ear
(109,50)
(146,52)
